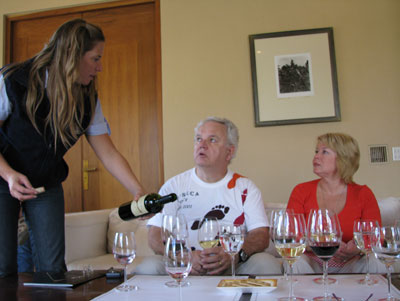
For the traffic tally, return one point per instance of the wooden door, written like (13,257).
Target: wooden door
(129,91)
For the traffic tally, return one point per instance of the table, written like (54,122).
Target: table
(12,289)
(205,288)
(101,289)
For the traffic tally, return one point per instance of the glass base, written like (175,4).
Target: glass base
(126,288)
(328,298)
(292,299)
(371,281)
(320,280)
(389,299)
(173,283)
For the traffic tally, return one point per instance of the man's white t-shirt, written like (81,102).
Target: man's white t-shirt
(233,199)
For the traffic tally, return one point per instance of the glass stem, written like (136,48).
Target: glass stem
(233,265)
(367,276)
(389,277)
(125,273)
(325,278)
(180,291)
(291,281)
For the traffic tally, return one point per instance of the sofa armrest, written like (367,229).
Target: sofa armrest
(86,234)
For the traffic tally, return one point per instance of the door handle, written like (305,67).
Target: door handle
(86,171)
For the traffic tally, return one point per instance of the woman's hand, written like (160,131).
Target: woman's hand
(346,251)
(20,187)
(215,260)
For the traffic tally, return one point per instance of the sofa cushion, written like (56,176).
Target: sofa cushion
(84,234)
(390,210)
(116,224)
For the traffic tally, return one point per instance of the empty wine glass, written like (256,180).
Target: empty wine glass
(363,235)
(231,237)
(290,241)
(177,260)
(174,226)
(124,250)
(324,237)
(207,234)
(386,247)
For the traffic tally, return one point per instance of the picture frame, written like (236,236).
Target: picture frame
(294,77)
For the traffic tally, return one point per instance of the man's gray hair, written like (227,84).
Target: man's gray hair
(232,132)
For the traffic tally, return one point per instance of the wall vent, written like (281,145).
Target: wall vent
(378,154)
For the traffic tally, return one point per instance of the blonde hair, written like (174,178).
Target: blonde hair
(61,59)
(347,152)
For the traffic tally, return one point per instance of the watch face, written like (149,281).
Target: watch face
(243,255)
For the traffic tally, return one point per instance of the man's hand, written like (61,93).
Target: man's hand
(214,260)
(197,268)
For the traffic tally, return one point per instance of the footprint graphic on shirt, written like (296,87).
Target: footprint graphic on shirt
(218,211)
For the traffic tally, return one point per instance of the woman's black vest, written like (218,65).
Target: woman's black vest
(25,150)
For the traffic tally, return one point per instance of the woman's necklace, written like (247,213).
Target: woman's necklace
(331,201)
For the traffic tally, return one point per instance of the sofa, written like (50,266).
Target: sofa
(89,235)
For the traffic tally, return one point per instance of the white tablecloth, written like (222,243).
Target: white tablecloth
(205,289)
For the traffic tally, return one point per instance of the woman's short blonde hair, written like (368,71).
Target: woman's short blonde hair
(347,152)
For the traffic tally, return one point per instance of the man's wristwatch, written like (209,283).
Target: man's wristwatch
(243,257)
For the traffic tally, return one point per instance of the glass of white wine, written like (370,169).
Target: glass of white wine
(290,241)
(386,247)
(231,237)
(363,236)
(177,260)
(124,250)
(208,232)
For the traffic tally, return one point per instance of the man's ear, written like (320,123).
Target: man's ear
(230,152)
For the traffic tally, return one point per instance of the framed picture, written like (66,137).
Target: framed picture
(294,77)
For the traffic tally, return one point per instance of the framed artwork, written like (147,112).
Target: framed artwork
(294,77)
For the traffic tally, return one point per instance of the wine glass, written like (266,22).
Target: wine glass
(231,237)
(207,234)
(274,214)
(290,241)
(386,247)
(177,260)
(124,250)
(324,237)
(363,236)
(174,226)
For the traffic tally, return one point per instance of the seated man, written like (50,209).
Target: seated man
(211,189)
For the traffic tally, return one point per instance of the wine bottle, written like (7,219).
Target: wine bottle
(147,204)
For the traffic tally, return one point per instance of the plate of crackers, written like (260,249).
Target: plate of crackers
(248,285)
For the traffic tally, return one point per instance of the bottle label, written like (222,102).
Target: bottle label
(138,207)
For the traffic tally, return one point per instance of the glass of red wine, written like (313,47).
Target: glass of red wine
(177,260)
(324,237)
(124,250)
(363,237)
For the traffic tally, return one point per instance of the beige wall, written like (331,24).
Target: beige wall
(206,71)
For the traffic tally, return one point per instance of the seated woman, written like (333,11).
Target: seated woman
(335,161)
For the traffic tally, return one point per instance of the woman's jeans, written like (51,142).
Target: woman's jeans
(45,218)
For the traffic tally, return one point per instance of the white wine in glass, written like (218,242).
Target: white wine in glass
(124,250)
(177,260)
(290,241)
(208,232)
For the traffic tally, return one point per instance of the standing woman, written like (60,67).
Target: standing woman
(46,104)
(336,160)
